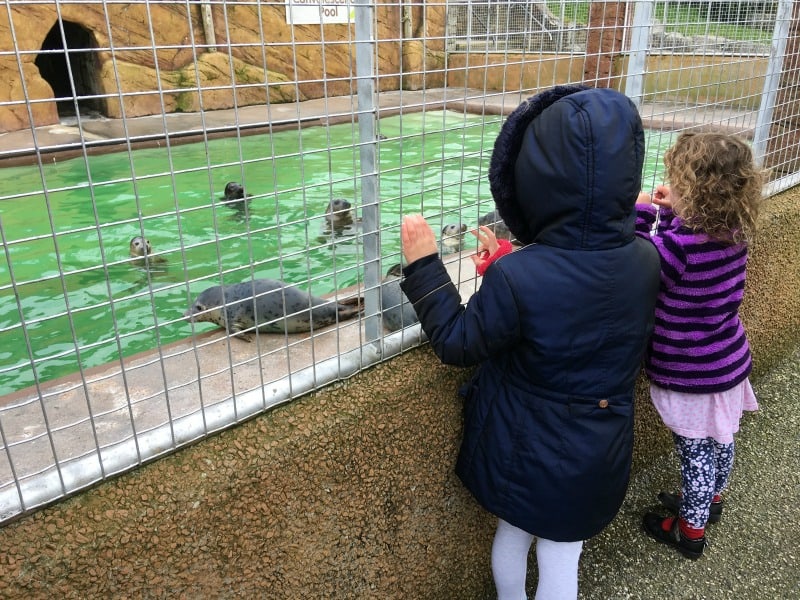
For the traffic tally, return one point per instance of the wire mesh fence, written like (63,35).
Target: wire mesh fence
(201,202)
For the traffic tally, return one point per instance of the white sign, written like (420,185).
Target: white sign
(304,12)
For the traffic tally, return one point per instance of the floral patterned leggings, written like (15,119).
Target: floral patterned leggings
(705,467)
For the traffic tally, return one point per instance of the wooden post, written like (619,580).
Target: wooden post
(603,42)
(208,26)
(412,49)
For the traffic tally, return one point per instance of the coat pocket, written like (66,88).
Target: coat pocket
(573,441)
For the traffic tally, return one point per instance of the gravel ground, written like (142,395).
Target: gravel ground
(753,552)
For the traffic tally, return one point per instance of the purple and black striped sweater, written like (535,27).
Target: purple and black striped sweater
(699,344)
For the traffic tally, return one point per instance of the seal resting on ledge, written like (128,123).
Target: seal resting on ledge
(268,306)
(396,310)
(495,222)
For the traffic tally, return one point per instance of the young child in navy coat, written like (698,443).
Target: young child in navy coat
(557,329)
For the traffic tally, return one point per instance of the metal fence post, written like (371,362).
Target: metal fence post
(370,203)
(639,45)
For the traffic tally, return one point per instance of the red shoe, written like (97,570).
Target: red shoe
(667,531)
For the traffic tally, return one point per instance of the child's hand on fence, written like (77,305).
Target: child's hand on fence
(662,196)
(644,198)
(489,248)
(417,237)
(487,245)
(487,241)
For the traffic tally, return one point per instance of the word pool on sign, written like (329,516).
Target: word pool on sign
(305,12)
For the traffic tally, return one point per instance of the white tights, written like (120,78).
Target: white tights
(557,561)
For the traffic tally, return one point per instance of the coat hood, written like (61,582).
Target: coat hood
(567,167)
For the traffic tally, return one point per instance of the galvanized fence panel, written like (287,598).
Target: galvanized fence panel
(252,142)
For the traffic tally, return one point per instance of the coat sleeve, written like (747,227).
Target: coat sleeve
(673,257)
(665,218)
(645,217)
(463,335)
(665,239)
(503,247)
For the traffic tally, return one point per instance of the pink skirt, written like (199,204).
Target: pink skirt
(699,416)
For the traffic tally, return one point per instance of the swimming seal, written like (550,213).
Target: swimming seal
(452,239)
(396,310)
(235,197)
(338,214)
(141,250)
(339,220)
(268,306)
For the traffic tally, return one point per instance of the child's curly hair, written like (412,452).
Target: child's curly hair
(718,185)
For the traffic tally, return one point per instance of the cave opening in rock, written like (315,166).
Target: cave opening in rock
(69,64)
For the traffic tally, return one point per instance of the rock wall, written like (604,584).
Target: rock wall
(148,58)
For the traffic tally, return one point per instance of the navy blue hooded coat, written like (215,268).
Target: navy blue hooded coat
(558,328)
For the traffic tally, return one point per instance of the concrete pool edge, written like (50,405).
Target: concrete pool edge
(104,135)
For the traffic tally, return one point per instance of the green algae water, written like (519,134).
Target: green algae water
(71,297)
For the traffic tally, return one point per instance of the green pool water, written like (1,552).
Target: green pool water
(70,297)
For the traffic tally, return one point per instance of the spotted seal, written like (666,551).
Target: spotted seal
(396,310)
(495,222)
(141,253)
(452,239)
(270,306)
(338,217)
(339,220)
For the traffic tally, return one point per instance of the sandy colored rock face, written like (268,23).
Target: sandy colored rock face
(205,84)
(158,58)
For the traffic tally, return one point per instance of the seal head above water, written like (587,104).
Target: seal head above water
(141,252)
(235,197)
(452,239)
(338,214)
(339,221)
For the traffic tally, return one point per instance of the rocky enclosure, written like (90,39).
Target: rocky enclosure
(142,59)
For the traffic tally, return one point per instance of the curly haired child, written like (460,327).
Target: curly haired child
(698,359)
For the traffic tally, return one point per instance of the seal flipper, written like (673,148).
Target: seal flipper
(350,308)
